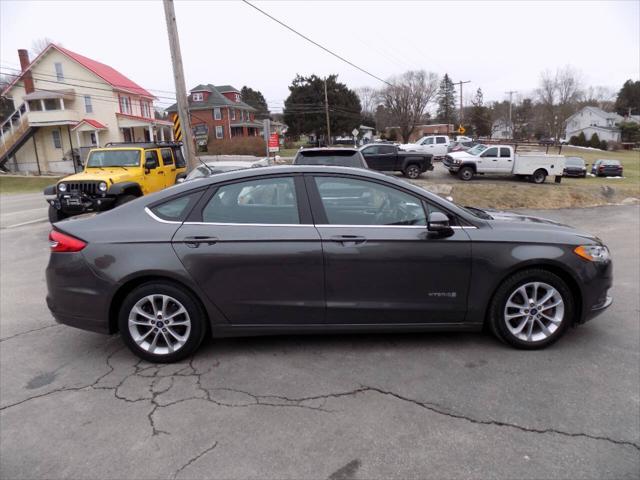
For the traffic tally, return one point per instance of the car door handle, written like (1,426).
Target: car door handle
(348,240)
(195,241)
(160,172)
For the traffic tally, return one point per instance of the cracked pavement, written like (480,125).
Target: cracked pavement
(75,404)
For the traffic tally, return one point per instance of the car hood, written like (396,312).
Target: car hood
(510,220)
(460,155)
(112,175)
(405,146)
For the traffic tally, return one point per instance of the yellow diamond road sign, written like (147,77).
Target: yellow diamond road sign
(461,130)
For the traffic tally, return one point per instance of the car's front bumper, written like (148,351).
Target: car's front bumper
(73,204)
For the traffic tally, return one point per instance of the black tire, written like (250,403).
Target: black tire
(412,171)
(539,176)
(497,308)
(121,200)
(465,173)
(56,215)
(194,314)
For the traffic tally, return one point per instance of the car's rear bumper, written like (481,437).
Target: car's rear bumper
(76,296)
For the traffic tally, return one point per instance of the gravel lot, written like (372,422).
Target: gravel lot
(75,404)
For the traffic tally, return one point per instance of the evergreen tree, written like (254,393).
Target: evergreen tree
(629,98)
(304,108)
(595,141)
(480,116)
(582,140)
(256,100)
(446,101)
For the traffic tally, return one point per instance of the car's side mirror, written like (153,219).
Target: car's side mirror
(438,222)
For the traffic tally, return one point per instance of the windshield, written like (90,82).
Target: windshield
(574,162)
(343,159)
(114,158)
(477,150)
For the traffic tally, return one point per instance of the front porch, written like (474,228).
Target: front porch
(245,129)
(140,129)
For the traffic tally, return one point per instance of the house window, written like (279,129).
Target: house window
(217,114)
(52,104)
(241,114)
(59,73)
(88,107)
(233,114)
(219,132)
(92,136)
(57,140)
(145,109)
(237,97)
(35,105)
(125,105)
(198,97)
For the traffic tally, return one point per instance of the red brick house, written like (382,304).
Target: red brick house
(218,113)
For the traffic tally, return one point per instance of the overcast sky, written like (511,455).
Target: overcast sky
(499,46)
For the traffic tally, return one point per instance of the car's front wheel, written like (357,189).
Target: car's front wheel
(56,215)
(531,309)
(465,173)
(161,322)
(412,171)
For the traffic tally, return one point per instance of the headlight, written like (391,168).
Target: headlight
(102,186)
(593,253)
(62,187)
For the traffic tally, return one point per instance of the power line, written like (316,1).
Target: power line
(316,43)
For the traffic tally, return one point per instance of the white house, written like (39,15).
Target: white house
(66,103)
(592,120)
(501,130)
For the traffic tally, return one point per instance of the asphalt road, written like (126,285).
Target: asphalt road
(22,209)
(75,404)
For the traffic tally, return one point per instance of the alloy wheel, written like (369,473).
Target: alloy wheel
(159,324)
(534,311)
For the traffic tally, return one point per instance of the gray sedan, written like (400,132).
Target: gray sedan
(317,249)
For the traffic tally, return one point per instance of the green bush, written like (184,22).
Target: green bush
(604,145)
(595,141)
(237,146)
(573,140)
(582,140)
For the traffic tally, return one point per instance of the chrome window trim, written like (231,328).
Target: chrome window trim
(158,219)
(220,224)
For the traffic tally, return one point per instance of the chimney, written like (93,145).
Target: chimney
(27,78)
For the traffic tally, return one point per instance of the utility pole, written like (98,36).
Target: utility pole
(461,108)
(178,77)
(511,92)
(326,109)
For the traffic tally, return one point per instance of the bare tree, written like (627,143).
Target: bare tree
(38,45)
(558,94)
(407,97)
(369,99)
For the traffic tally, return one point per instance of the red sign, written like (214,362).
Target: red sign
(273,140)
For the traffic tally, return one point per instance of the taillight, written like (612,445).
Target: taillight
(61,242)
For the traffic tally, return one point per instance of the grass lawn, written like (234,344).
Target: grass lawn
(630,161)
(19,184)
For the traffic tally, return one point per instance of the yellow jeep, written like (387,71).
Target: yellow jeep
(114,175)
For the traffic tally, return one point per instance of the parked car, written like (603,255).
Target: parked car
(212,168)
(574,167)
(436,145)
(546,141)
(318,249)
(501,159)
(389,158)
(607,168)
(114,175)
(344,157)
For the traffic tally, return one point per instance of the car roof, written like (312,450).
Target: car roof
(232,163)
(328,149)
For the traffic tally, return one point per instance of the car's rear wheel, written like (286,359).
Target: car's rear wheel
(56,215)
(531,309)
(161,322)
(465,173)
(412,171)
(539,176)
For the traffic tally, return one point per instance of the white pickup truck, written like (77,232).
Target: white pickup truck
(436,145)
(500,159)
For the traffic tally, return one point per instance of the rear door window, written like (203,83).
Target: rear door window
(167,158)
(441,140)
(177,153)
(265,201)
(151,156)
(176,209)
(504,152)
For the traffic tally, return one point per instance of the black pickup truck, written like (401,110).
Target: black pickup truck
(389,158)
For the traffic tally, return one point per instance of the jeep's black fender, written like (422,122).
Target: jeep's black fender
(50,190)
(128,188)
